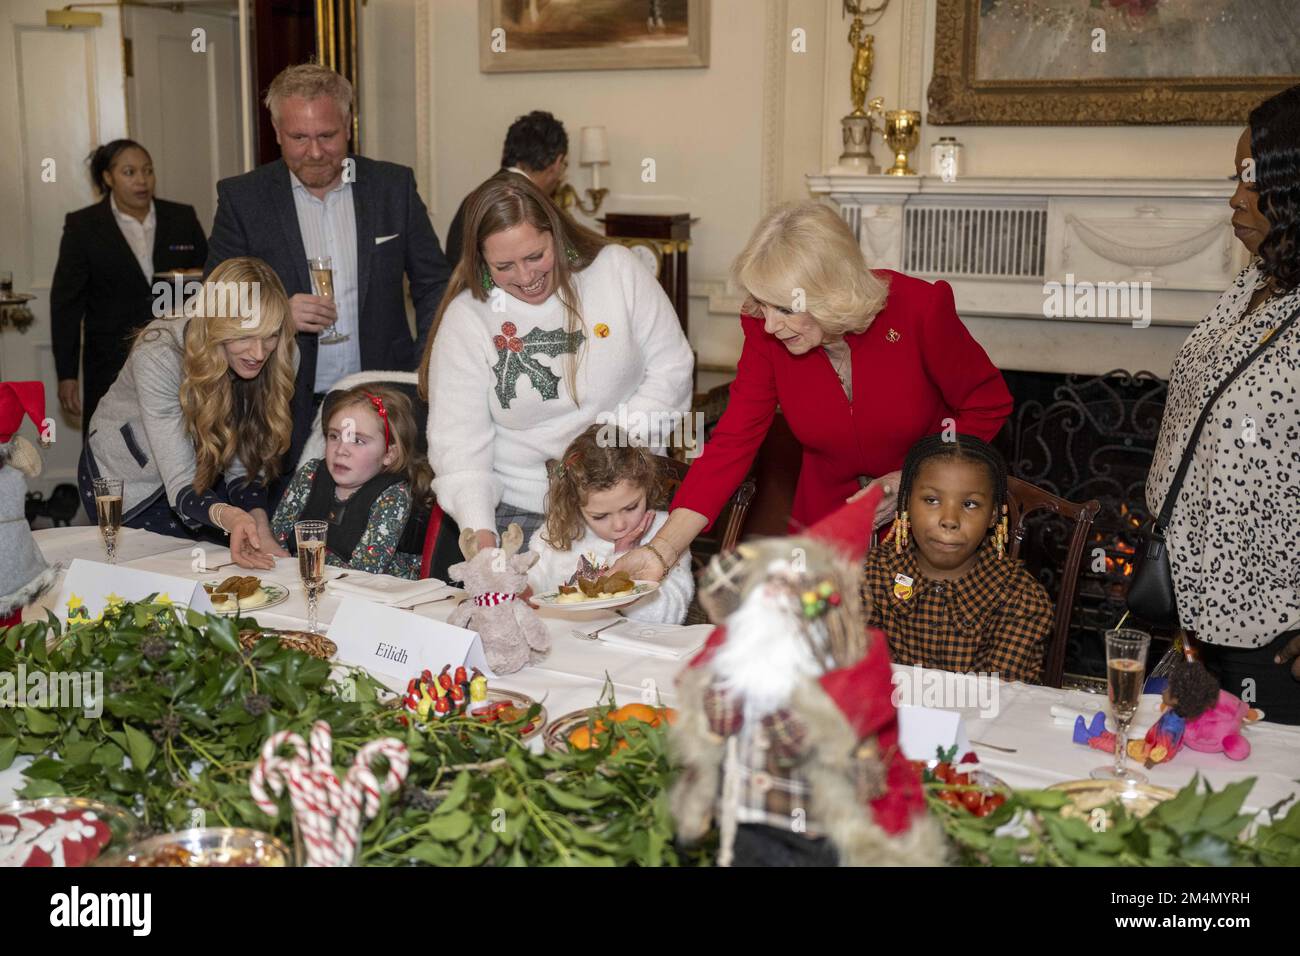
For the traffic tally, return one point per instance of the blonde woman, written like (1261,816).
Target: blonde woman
(196,423)
(862,363)
(545,328)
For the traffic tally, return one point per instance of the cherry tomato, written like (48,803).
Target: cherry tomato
(972,800)
(960,779)
(943,773)
(947,796)
(993,801)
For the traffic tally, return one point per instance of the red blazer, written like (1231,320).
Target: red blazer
(914,366)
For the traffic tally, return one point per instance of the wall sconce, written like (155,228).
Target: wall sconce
(593,151)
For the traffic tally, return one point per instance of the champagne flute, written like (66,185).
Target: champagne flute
(1126,661)
(310,536)
(108,510)
(322,284)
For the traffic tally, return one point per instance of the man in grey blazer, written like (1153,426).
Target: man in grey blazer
(365,215)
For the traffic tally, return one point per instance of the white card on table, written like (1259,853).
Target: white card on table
(923,730)
(93,582)
(398,644)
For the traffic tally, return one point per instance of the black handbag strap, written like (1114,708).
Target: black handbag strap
(1167,511)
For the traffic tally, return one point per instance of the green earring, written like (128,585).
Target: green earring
(571,254)
(485,280)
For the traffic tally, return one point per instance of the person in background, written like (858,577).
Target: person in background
(104,277)
(537,147)
(366,216)
(1235,523)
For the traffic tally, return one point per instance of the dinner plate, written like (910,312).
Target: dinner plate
(1086,795)
(639,590)
(268,595)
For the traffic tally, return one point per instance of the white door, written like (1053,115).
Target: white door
(61,94)
(183,99)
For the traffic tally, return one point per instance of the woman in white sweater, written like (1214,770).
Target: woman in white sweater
(596,509)
(544,330)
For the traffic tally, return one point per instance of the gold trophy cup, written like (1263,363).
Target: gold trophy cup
(902,133)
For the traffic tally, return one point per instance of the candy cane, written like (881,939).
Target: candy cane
(272,769)
(363,789)
(314,822)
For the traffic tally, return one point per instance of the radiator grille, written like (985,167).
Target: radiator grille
(975,241)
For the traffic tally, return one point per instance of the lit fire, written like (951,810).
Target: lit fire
(1120,562)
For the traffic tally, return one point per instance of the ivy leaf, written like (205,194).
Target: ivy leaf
(568,801)
(140,747)
(36,789)
(39,722)
(1222,807)
(449,827)
(8,750)
(453,800)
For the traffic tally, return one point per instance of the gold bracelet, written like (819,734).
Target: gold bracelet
(655,551)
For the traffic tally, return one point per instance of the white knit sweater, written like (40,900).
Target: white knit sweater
(665,606)
(500,406)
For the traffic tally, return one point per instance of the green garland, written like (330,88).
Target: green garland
(186,710)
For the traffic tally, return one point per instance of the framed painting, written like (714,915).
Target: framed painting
(533,35)
(1110,62)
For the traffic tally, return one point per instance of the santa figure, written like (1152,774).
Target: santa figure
(24,574)
(787,732)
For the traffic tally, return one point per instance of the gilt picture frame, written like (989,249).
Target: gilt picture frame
(1110,62)
(548,35)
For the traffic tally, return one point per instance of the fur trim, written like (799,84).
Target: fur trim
(21,454)
(834,801)
(698,752)
(29,592)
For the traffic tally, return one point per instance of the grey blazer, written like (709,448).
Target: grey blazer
(138,433)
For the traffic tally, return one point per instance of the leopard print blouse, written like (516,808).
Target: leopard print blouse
(1234,538)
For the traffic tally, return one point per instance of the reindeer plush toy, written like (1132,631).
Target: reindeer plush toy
(513,635)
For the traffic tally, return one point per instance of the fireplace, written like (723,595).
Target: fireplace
(1082,437)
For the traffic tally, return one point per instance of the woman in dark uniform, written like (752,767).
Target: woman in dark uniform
(104,277)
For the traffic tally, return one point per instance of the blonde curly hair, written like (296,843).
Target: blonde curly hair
(226,415)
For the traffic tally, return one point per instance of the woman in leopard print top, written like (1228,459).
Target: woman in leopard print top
(1234,538)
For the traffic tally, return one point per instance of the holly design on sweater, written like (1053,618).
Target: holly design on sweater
(516,356)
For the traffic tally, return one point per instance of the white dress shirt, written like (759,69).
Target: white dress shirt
(329,228)
(139,235)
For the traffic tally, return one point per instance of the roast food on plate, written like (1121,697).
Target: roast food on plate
(588,589)
(236,591)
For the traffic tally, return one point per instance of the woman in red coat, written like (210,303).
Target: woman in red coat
(861,363)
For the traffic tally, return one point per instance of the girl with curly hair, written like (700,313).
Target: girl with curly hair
(196,423)
(598,508)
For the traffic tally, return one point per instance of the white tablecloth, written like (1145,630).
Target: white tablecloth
(572,677)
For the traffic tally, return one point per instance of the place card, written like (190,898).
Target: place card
(91,584)
(391,642)
(923,730)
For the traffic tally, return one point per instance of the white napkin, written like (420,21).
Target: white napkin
(385,588)
(658,640)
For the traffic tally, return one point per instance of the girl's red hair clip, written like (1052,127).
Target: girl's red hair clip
(378,402)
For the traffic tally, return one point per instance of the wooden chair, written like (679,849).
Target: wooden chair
(1026,499)
(726,530)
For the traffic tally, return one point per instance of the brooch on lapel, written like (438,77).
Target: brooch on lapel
(892,335)
(601,330)
(902,587)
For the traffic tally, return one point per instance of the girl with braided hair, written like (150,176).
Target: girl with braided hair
(942,587)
